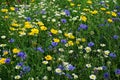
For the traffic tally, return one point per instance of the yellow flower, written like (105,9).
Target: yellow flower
(78,41)
(12,8)
(83,40)
(4,10)
(70,0)
(79,5)
(40,23)
(22,33)
(108,12)
(48,57)
(103,9)
(27,25)
(12,29)
(43,28)
(85,9)
(70,43)
(53,31)
(89,2)
(66,34)
(2,60)
(72,4)
(71,36)
(83,18)
(16,50)
(15,24)
(6,17)
(34,31)
(32,0)
(5,52)
(110,20)
(94,12)
(56,40)
(114,14)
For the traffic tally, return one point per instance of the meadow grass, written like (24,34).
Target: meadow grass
(60,40)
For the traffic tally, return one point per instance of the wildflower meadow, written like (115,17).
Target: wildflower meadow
(59,39)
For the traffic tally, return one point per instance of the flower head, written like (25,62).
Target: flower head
(92,76)
(63,20)
(48,57)
(83,26)
(117,71)
(90,44)
(113,55)
(67,12)
(115,37)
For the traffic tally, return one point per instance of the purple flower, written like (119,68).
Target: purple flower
(106,75)
(90,44)
(28,18)
(117,7)
(83,26)
(26,68)
(71,67)
(113,55)
(118,13)
(20,64)
(54,44)
(16,9)
(104,67)
(115,19)
(101,25)
(22,55)
(61,67)
(63,41)
(63,20)
(40,49)
(115,37)
(68,76)
(11,40)
(43,12)
(7,60)
(67,12)
(117,71)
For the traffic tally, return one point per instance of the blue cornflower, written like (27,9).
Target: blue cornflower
(28,18)
(106,75)
(20,64)
(7,60)
(43,12)
(54,44)
(67,12)
(26,69)
(71,67)
(61,67)
(118,13)
(22,55)
(40,49)
(69,76)
(117,71)
(113,55)
(64,41)
(104,67)
(83,26)
(63,20)
(11,40)
(90,44)
(16,9)
(115,37)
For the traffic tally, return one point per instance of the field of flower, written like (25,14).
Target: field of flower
(59,39)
